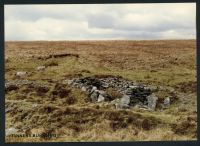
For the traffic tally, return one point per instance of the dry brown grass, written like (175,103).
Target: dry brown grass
(124,54)
(66,111)
(113,93)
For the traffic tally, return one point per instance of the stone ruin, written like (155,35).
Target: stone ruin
(133,94)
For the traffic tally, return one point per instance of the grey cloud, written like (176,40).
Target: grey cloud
(157,27)
(35,12)
(121,21)
(101,21)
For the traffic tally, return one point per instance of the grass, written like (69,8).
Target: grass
(65,109)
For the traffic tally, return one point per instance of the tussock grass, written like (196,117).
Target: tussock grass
(66,111)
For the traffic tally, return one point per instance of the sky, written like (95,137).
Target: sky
(100,22)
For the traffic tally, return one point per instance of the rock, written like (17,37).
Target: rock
(101,92)
(94,88)
(133,93)
(129,91)
(138,92)
(138,105)
(123,103)
(84,89)
(133,87)
(105,85)
(109,96)
(90,81)
(125,99)
(39,68)
(152,88)
(94,96)
(167,101)
(21,74)
(121,106)
(89,88)
(101,98)
(11,131)
(152,101)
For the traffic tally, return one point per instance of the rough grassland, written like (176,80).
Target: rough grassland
(170,63)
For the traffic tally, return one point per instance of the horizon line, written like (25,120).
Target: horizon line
(96,40)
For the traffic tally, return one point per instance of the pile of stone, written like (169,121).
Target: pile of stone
(133,94)
(20,74)
(40,68)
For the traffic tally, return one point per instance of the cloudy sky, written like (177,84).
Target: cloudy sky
(100,22)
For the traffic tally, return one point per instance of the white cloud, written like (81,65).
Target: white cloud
(104,21)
